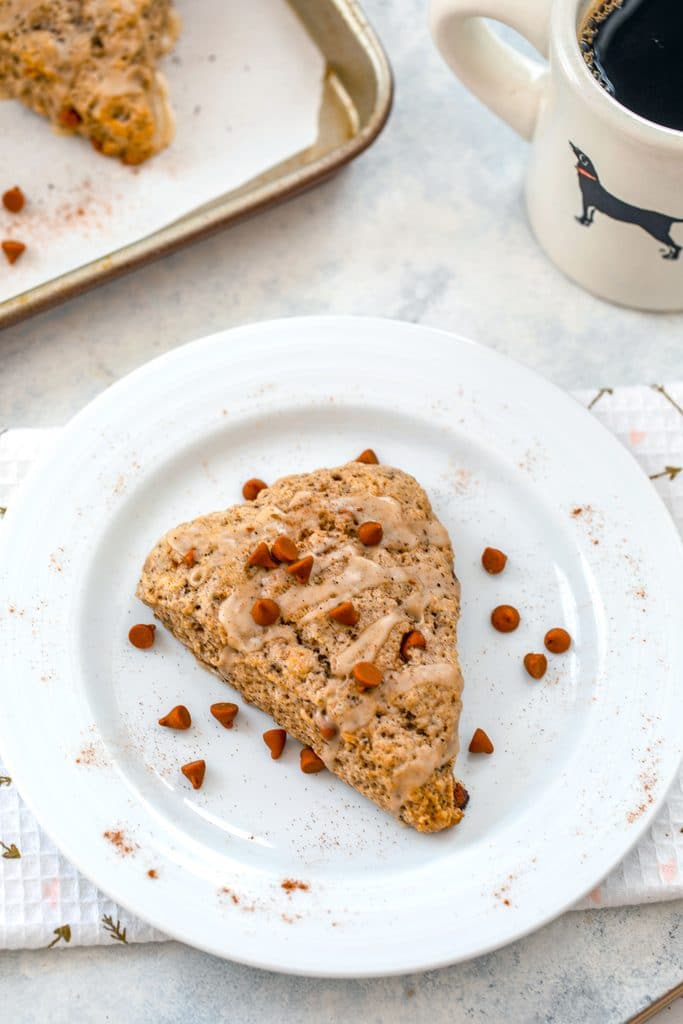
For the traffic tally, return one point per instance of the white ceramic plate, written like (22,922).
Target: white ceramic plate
(582,758)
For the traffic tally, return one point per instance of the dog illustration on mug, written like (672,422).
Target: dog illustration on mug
(596,197)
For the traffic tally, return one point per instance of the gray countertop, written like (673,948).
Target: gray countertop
(427,226)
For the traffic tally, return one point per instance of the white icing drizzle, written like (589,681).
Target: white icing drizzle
(360,574)
(243,634)
(442,672)
(397,530)
(367,646)
(196,576)
(415,772)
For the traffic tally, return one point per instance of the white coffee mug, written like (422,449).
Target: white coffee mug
(604,189)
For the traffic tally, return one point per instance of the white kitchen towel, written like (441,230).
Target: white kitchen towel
(45,901)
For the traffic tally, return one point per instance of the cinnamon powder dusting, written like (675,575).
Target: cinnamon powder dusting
(88,755)
(118,839)
(291,884)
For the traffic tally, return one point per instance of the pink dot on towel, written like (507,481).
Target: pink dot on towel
(668,872)
(635,437)
(51,891)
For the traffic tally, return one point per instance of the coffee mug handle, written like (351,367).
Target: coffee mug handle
(510,84)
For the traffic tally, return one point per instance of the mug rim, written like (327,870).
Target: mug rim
(564,37)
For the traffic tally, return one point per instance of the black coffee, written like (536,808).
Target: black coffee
(635,50)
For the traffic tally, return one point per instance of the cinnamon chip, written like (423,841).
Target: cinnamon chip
(13,200)
(260,557)
(505,618)
(265,612)
(366,675)
(345,614)
(252,488)
(368,457)
(225,713)
(480,743)
(142,635)
(284,549)
(275,740)
(413,639)
(327,730)
(194,771)
(177,718)
(310,762)
(301,570)
(536,665)
(493,560)
(70,118)
(461,797)
(557,640)
(370,534)
(189,558)
(12,249)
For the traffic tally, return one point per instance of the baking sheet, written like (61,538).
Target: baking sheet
(245,82)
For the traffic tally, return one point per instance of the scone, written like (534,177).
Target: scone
(343,627)
(90,67)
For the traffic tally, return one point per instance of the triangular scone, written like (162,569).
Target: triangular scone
(395,743)
(90,67)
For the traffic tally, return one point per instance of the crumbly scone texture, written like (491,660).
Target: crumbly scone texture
(396,744)
(90,67)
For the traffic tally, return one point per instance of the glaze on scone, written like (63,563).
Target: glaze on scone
(397,743)
(90,67)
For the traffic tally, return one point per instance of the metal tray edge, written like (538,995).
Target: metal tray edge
(202,223)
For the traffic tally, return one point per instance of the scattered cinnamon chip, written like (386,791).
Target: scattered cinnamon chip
(284,549)
(366,675)
(265,612)
(536,665)
(480,743)
(505,618)
(225,713)
(412,639)
(493,560)
(275,740)
(557,640)
(189,558)
(12,249)
(252,488)
(301,570)
(260,557)
(368,457)
(345,614)
(194,772)
(177,718)
(142,635)
(370,534)
(310,762)
(13,199)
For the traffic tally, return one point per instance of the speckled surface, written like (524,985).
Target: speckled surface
(427,226)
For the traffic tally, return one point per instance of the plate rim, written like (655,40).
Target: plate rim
(637,829)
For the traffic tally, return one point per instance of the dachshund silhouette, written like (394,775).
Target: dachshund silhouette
(596,197)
